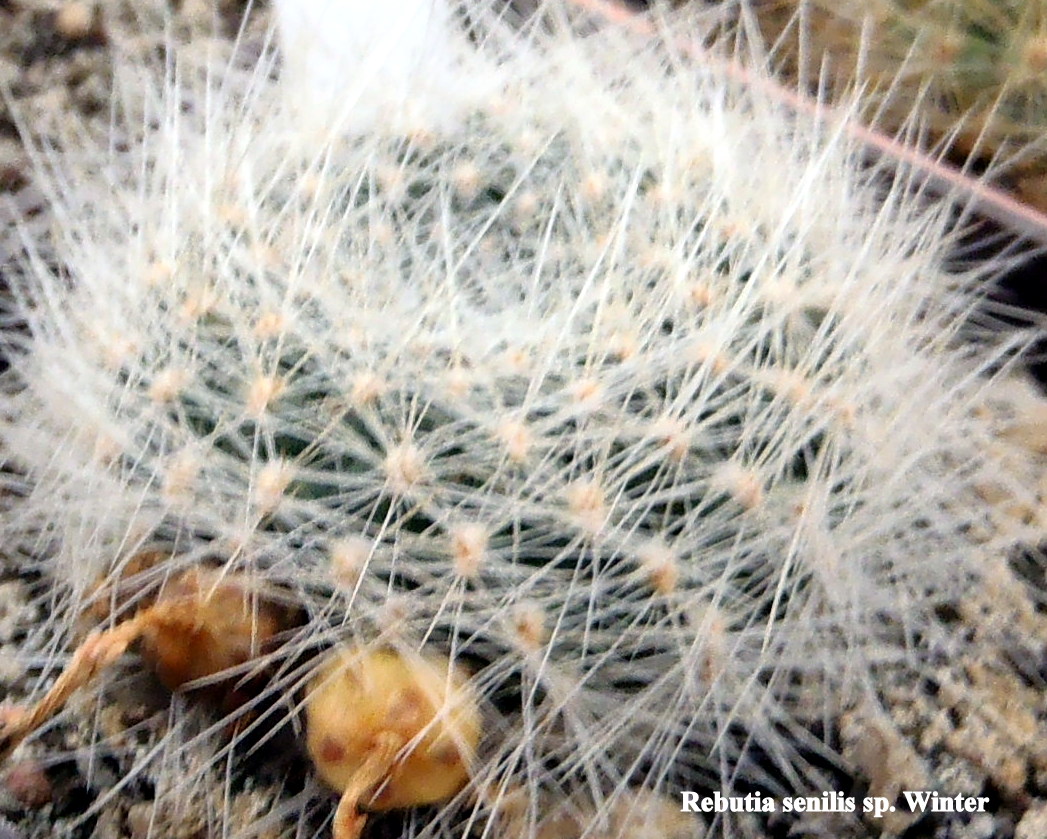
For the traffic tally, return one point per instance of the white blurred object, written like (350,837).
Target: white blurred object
(357,61)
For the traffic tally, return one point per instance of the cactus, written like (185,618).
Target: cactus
(620,385)
(975,67)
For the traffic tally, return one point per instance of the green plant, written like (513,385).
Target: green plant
(624,387)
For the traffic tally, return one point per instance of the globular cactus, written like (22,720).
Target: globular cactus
(618,384)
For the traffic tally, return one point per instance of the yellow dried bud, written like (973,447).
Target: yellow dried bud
(391,730)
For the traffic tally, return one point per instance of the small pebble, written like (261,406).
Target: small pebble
(140,818)
(28,784)
(1033,824)
(197,13)
(9,831)
(982,826)
(75,20)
